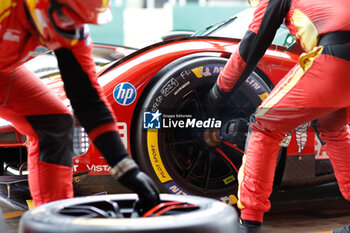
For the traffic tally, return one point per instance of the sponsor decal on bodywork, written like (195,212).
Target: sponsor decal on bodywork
(97,164)
(123,133)
(320,152)
(124,93)
(301,136)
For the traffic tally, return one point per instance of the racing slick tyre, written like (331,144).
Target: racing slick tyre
(173,122)
(118,213)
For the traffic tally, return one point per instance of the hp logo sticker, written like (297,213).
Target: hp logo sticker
(124,93)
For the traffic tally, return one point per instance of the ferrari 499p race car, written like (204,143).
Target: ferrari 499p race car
(158,95)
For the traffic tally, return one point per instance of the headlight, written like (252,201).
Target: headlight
(81,142)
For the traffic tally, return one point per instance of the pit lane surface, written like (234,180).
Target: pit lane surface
(310,210)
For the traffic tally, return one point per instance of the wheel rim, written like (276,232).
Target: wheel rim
(202,168)
(174,156)
(175,213)
(125,209)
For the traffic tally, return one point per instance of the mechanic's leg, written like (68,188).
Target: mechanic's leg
(300,97)
(335,132)
(40,115)
(50,174)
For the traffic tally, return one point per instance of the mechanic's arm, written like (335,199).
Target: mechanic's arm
(95,115)
(268,16)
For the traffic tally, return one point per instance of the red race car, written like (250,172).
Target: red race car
(158,94)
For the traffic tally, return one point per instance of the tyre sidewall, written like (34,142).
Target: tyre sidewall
(212,216)
(163,94)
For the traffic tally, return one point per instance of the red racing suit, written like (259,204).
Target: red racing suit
(39,114)
(317,87)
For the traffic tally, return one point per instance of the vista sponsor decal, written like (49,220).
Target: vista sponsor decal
(157,120)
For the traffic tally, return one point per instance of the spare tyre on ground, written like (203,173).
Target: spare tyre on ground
(119,213)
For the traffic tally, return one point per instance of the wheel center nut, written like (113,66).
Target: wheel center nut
(211,137)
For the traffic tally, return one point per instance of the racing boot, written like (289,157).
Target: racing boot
(249,226)
(345,229)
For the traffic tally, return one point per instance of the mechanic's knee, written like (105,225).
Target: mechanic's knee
(334,134)
(273,130)
(333,122)
(66,122)
(345,190)
(258,124)
(331,127)
(55,137)
(347,197)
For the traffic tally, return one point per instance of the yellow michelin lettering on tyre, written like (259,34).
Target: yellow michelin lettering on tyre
(229,200)
(198,71)
(154,156)
(233,199)
(263,95)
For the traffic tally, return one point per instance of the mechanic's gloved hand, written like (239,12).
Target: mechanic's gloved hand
(128,174)
(235,131)
(249,226)
(216,99)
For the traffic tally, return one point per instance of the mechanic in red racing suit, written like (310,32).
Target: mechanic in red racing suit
(317,87)
(26,27)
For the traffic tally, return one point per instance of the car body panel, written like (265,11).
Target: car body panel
(139,68)
(125,79)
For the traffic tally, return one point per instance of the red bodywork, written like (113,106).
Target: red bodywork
(139,67)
